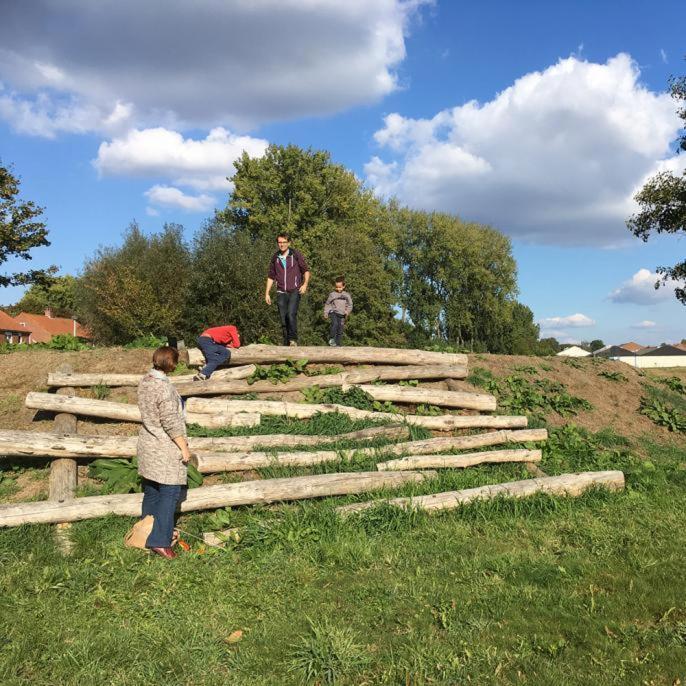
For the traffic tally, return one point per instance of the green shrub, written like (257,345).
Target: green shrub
(663,415)
(277,373)
(147,341)
(121,475)
(66,341)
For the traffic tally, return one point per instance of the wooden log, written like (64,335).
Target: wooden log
(564,485)
(63,472)
(356,376)
(59,379)
(437,445)
(268,354)
(221,421)
(209,497)
(305,411)
(34,444)
(208,462)
(431,396)
(460,461)
(110,410)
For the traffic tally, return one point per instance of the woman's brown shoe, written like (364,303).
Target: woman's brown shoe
(164,552)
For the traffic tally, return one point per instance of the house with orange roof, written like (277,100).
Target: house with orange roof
(43,327)
(631,346)
(11,331)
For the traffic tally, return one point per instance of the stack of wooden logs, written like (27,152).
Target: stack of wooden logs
(412,459)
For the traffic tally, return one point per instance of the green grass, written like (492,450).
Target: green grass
(541,591)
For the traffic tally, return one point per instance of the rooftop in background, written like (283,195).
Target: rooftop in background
(8,323)
(633,347)
(44,326)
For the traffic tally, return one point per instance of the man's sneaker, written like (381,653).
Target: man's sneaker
(199,377)
(332,343)
(293,344)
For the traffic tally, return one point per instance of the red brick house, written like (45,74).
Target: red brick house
(11,331)
(43,327)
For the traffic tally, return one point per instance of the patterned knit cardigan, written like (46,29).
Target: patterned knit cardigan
(159,458)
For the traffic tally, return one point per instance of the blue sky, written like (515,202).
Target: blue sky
(538,118)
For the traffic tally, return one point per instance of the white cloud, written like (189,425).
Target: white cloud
(173,197)
(199,64)
(201,164)
(663,55)
(555,158)
(645,324)
(640,289)
(573,320)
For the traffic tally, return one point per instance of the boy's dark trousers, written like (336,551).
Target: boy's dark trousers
(160,501)
(337,324)
(288,313)
(214,353)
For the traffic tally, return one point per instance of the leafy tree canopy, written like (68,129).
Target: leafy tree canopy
(20,231)
(662,201)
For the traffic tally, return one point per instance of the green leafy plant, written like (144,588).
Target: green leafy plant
(571,362)
(384,406)
(101,391)
(536,398)
(278,373)
(674,383)
(65,341)
(663,415)
(428,410)
(525,369)
(147,341)
(313,395)
(409,382)
(121,475)
(613,376)
(332,369)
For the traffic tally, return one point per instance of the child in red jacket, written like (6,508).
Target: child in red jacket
(215,344)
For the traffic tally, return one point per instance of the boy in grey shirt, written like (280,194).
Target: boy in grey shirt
(337,307)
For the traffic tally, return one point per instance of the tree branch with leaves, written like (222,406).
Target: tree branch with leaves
(662,202)
(20,232)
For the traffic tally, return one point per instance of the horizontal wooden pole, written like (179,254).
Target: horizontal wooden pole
(564,485)
(208,497)
(77,380)
(216,386)
(42,445)
(305,411)
(459,461)
(234,462)
(269,354)
(431,396)
(89,407)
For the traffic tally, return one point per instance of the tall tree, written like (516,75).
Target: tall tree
(663,201)
(138,288)
(58,294)
(459,279)
(20,231)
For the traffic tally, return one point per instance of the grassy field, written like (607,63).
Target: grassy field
(543,591)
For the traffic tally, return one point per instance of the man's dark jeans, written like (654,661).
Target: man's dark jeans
(214,353)
(288,312)
(337,324)
(160,501)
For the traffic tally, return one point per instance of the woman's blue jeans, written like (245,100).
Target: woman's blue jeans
(160,501)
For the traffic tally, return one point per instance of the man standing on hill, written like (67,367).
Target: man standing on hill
(291,273)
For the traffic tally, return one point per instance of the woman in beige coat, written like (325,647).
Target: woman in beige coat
(162,449)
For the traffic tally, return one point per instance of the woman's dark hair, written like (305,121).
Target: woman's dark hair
(165,359)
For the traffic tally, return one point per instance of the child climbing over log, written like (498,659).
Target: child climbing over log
(215,344)
(337,308)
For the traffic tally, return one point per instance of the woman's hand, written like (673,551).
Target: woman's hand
(185,455)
